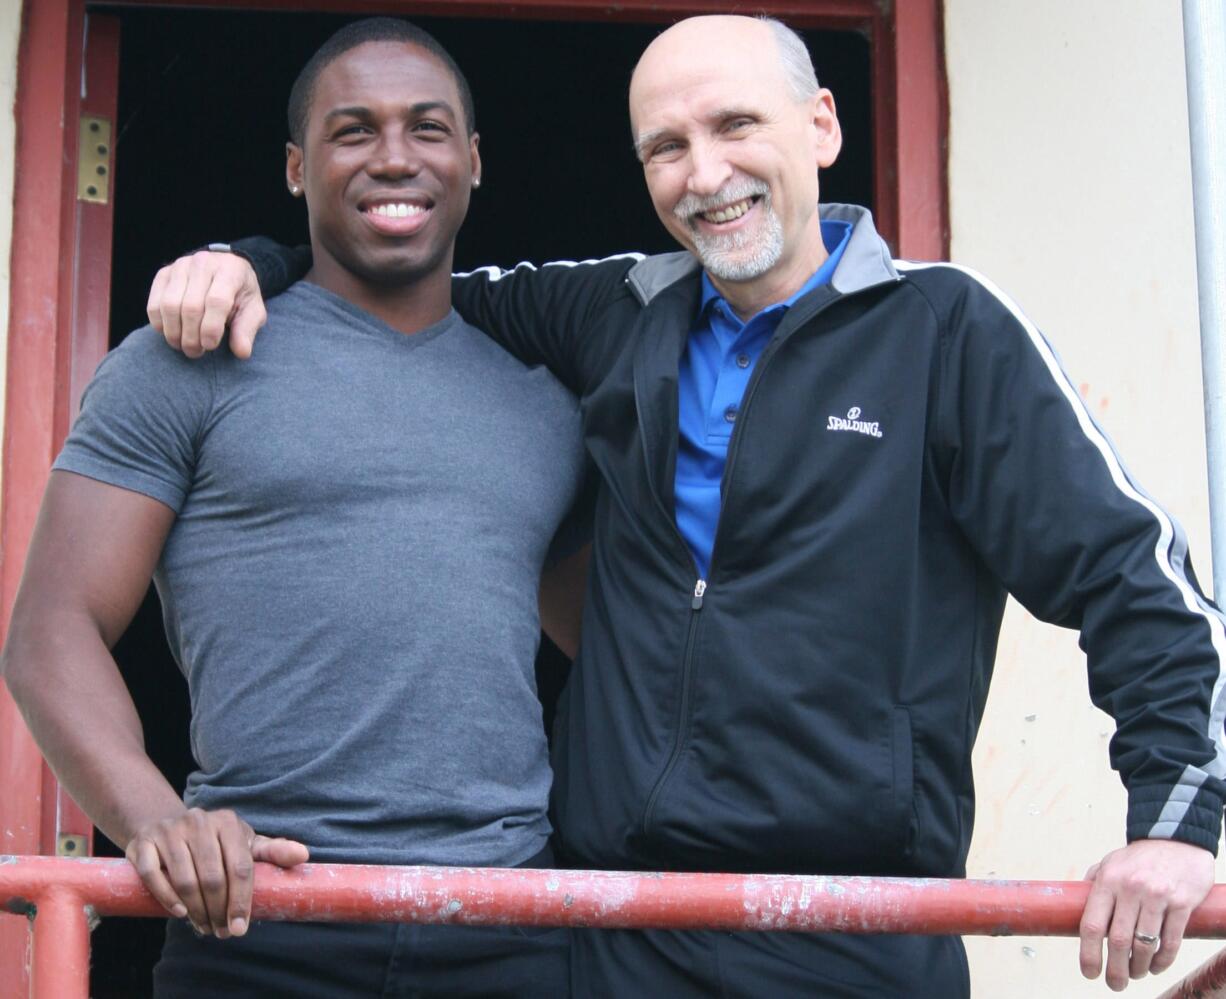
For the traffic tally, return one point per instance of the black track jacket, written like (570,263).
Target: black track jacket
(908,452)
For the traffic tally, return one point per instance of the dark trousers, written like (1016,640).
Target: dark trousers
(360,961)
(364,960)
(339,961)
(611,964)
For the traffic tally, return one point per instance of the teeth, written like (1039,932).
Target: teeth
(397,211)
(729,213)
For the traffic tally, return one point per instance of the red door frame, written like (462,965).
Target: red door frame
(47,362)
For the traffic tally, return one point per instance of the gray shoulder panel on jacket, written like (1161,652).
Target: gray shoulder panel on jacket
(866,261)
(652,275)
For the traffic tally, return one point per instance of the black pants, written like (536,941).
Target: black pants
(360,961)
(339,961)
(611,964)
(364,960)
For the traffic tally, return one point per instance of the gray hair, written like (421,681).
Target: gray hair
(794,59)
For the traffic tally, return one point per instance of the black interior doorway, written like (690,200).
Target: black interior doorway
(199,156)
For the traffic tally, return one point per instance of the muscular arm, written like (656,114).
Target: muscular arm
(89,565)
(90,561)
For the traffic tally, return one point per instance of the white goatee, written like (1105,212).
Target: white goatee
(741,255)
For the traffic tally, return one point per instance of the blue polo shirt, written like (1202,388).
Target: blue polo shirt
(719,358)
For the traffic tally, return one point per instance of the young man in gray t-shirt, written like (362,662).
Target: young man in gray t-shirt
(347,533)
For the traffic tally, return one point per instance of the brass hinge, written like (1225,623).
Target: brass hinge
(70,845)
(94,159)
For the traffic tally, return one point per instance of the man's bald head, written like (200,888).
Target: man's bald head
(731,128)
(738,37)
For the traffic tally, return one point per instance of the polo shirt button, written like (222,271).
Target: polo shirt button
(742,360)
(730,414)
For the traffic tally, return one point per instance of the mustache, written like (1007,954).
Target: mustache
(730,193)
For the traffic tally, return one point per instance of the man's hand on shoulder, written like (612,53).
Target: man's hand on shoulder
(199,865)
(1140,903)
(194,299)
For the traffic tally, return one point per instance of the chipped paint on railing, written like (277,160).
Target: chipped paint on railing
(61,894)
(322,892)
(18,906)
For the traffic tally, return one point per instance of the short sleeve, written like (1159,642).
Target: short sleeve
(142,417)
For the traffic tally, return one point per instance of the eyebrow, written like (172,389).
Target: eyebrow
(420,108)
(718,117)
(648,139)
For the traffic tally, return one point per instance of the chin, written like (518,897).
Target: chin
(389,272)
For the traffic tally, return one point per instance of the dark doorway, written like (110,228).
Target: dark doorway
(199,157)
(201,133)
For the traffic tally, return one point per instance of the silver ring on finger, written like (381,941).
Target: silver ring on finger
(1148,939)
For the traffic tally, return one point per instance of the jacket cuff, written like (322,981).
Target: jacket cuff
(1183,813)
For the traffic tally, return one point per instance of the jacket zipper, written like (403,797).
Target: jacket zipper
(750,390)
(700,589)
(700,586)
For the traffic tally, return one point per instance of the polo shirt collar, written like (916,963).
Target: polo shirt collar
(835,236)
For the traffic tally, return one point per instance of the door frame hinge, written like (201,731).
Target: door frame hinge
(94,149)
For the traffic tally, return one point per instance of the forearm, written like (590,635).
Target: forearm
(70,692)
(556,315)
(276,266)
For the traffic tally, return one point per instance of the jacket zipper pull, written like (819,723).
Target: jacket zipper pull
(700,588)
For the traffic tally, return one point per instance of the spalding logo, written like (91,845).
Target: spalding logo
(854,423)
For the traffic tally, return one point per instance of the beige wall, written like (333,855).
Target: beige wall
(10,29)
(1070,186)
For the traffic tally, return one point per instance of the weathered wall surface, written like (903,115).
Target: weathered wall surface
(10,29)
(1070,186)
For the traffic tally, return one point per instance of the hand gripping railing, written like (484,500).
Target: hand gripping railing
(62,898)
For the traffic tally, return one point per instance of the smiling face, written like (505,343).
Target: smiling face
(386,167)
(731,155)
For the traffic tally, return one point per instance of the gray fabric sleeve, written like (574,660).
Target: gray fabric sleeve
(141,419)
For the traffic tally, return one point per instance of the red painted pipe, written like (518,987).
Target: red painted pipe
(1206,982)
(340,893)
(60,965)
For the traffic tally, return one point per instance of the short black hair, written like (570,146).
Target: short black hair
(371,29)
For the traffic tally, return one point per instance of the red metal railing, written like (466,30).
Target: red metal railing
(1206,982)
(61,897)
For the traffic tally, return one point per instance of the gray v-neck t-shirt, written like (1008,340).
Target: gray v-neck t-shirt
(350,586)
